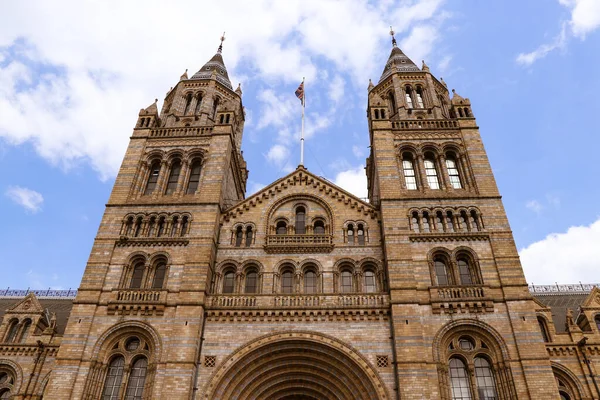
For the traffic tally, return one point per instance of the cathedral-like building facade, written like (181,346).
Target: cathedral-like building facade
(303,290)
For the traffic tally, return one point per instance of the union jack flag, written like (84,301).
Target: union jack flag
(300,92)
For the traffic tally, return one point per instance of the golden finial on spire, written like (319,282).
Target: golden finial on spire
(393,37)
(221,45)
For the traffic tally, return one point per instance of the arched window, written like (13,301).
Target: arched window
(215,106)
(173,177)
(114,376)
(287,282)
(138,227)
(346,285)
(153,177)
(310,282)
(151,226)
(159,275)
(300,221)
(407,95)
(175,225)
(439,224)
(484,379)
(129,226)
(229,282)
(5,394)
(409,171)
(281,228)
(465,272)
(137,378)
(459,380)
(194,179)
(370,282)
(543,329)
(251,285)
(319,228)
(25,330)
(360,234)
(419,93)
(462,221)
(414,222)
(450,221)
(426,222)
(184,225)
(392,100)
(160,230)
(474,221)
(350,232)
(249,236)
(198,103)
(453,172)
(431,172)
(137,275)
(442,276)
(188,103)
(239,236)
(12,331)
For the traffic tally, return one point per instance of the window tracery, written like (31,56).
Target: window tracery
(146,272)
(459,267)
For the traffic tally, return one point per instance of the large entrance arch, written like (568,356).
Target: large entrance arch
(295,366)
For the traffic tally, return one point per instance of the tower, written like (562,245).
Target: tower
(140,303)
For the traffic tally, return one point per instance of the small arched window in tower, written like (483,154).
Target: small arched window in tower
(198,103)
(173,177)
(346,285)
(350,233)
(360,234)
(215,106)
(25,330)
(137,275)
(597,320)
(114,376)
(439,221)
(300,221)
(228,282)
(408,168)
(160,230)
(370,283)
(137,378)
(441,272)
(450,221)
(459,380)
(188,103)
(460,112)
(138,227)
(151,226)
(453,172)
(12,331)
(319,227)
(425,220)
(474,221)
(239,236)
(152,177)
(419,93)
(159,275)
(543,329)
(414,222)
(376,113)
(174,226)
(184,226)
(287,282)
(462,221)
(467,114)
(310,282)
(129,226)
(281,228)
(251,285)
(431,172)
(408,97)
(484,379)
(249,236)
(466,278)
(392,100)
(194,177)
(222,118)
(382,114)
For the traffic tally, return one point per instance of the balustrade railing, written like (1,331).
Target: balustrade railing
(425,124)
(460,292)
(185,131)
(299,239)
(138,296)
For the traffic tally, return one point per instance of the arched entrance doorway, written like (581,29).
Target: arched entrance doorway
(296,366)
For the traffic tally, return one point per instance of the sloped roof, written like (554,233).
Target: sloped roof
(559,302)
(398,61)
(61,306)
(216,65)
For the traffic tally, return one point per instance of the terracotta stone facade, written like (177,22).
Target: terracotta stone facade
(304,291)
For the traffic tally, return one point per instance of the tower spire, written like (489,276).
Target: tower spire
(394,44)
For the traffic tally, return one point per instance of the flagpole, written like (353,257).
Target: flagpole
(302,132)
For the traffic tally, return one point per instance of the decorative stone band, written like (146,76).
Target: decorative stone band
(329,301)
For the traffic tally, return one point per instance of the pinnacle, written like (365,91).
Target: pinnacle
(398,62)
(215,66)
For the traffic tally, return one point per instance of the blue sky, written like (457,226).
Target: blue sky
(73,77)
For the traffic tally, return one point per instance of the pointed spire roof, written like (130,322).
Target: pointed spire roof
(398,61)
(215,65)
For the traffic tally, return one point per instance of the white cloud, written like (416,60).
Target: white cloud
(567,257)
(336,88)
(278,154)
(73,88)
(585,18)
(534,206)
(358,151)
(444,63)
(354,180)
(29,199)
